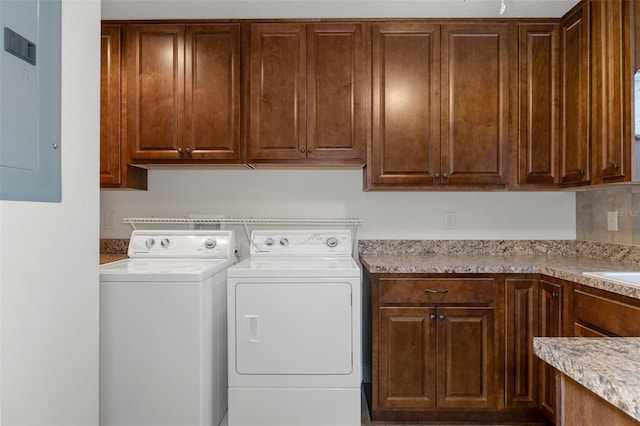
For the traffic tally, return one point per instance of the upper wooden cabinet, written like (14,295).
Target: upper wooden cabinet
(611,89)
(183,92)
(114,169)
(308,93)
(575,101)
(538,105)
(428,81)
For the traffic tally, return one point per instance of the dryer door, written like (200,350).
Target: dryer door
(294,328)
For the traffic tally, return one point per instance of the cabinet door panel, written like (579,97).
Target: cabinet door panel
(551,296)
(405,147)
(155,90)
(278,84)
(212,77)
(475,104)
(539,103)
(575,98)
(522,325)
(465,358)
(110,99)
(406,358)
(335,65)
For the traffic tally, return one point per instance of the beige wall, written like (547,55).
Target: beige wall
(591,215)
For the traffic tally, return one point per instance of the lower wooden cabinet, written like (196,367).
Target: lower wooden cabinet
(434,346)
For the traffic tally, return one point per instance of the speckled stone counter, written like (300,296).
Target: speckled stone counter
(609,367)
(560,259)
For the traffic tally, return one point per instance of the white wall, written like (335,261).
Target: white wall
(49,258)
(338,193)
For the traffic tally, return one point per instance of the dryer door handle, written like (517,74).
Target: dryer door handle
(254,330)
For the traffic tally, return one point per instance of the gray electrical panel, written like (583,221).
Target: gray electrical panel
(30,72)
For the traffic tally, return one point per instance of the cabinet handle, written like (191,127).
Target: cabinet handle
(180,151)
(433,316)
(444,175)
(441,317)
(437,175)
(615,166)
(303,150)
(188,150)
(309,150)
(554,294)
(428,290)
(581,172)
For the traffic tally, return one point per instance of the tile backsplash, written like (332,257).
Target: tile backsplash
(594,206)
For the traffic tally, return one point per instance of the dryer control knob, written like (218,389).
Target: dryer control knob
(150,243)
(332,241)
(164,243)
(269,242)
(210,243)
(284,242)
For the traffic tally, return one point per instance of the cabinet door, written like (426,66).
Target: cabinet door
(551,296)
(277,93)
(466,358)
(110,99)
(475,104)
(405,147)
(539,104)
(212,92)
(522,325)
(611,88)
(406,359)
(155,91)
(336,91)
(575,98)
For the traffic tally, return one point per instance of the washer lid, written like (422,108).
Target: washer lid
(342,267)
(162,270)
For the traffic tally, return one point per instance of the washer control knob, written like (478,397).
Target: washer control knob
(269,242)
(164,243)
(150,243)
(210,243)
(284,241)
(332,241)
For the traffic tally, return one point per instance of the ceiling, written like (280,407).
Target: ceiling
(256,9)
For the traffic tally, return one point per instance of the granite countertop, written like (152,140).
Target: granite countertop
(607,366)
(112,257)
(568,267)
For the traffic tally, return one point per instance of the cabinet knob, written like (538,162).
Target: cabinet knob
(433,316)
(444,175)
(309,150)
(581,172)
(437,175)
(188,150)
(303,150)
(615,166)
(554,294)
(441,317)
(180,151)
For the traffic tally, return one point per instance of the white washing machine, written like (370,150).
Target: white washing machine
(294,314)
(163,330)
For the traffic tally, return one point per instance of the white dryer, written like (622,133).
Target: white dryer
(163,330)
(294,317)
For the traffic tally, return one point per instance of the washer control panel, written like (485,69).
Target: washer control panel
(182,244)
(304,242)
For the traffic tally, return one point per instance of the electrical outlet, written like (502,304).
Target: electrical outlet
(612,220)
(109,220)
(449,220)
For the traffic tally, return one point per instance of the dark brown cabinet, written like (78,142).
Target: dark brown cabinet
(428,81)
(434,345)
(611,89)
(575,99)
(551,315)
(308,93)
(114,169)
(183,92)
(522,324)
(538,105)
(597,313)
